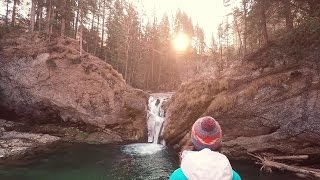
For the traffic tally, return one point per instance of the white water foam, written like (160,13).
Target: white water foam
(142,148)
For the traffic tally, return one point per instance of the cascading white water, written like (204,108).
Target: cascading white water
(155,118)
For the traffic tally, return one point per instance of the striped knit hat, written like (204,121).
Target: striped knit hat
(206,133)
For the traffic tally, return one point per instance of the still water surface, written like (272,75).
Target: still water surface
(114,162)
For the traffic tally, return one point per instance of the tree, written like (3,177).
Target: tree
(32,16)
(116,36)
(226,32)
(220,36)
(288,14)
(199,34)
(81,31)
(7,11)
(63,17)
(183,23)
(245,14)
(14,9)
(104,6)
(237,30)
(164,33)
(48,16)
(213,46)
(263,21)
(39,13)
(131,26)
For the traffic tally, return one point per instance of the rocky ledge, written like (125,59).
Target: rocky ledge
(15,146)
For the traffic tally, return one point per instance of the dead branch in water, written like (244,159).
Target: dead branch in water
(268,163)
(297,157)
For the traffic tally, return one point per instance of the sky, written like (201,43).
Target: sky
(207,13)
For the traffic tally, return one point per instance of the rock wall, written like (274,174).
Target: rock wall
(271,110)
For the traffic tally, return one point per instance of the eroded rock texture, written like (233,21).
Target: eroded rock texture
(270,109)
(49,83)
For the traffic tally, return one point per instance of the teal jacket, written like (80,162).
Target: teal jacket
(178,175)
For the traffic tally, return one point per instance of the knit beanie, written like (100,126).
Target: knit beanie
(206,133)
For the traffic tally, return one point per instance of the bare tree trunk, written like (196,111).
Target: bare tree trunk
(33,13)
(239,34)
(127,58)
(127,45)
(244,3)
(81,26)
(7,13)
(147,80)
(227,31)
(76,24)
(152,67)
(288,14)
(13,19)
(48,17)
(263,20)
(92,22)
(220,63)
(51,19)
(41,15)
(38,15)
(103,19)
(63,20)
(159,73)
(96,42)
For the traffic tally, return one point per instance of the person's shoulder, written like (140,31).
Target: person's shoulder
(178,175)
(235,175)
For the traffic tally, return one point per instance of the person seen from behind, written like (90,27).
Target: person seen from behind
(202,160)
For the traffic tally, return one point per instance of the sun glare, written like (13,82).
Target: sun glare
(181,42)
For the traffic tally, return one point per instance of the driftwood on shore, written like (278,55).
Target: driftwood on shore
(269,162)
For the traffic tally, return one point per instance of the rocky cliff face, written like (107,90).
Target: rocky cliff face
(263,105)
(49,83)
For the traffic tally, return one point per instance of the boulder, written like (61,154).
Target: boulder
(48,82)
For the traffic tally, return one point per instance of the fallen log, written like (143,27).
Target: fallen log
(268,164)
(297,157)
(296,169)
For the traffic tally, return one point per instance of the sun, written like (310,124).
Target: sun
(181,42)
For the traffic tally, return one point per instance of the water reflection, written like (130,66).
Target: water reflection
(112,162)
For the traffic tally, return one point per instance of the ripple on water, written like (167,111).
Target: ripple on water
(151,161)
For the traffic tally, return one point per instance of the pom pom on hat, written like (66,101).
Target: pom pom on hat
(206,133)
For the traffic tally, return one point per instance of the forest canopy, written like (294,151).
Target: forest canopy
(145,54)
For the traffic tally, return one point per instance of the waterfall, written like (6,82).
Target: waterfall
(156,117)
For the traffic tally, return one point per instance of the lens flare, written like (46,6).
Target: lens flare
(181,42)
